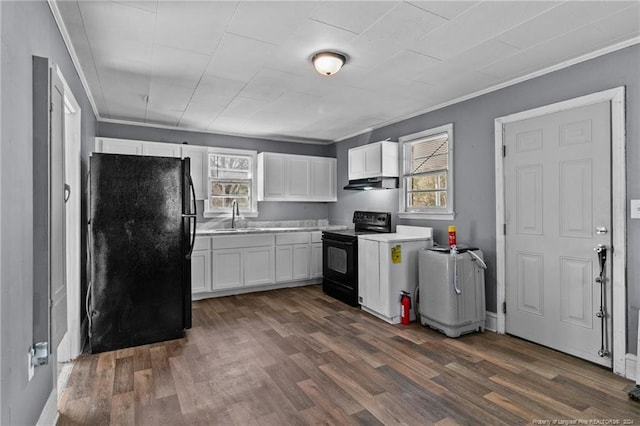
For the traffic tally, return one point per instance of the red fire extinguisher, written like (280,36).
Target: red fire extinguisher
(405,308)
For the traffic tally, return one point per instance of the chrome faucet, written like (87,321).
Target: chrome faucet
(235,211)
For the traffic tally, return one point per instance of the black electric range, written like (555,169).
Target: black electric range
(340,255)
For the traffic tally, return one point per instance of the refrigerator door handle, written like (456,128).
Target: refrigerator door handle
(192,215)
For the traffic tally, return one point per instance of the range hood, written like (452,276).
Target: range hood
(372,183)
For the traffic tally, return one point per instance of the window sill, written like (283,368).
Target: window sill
(207,214)
(430,216)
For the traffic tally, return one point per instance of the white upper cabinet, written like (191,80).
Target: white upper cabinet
(287,177)
(118,146)
(154,149)
(271,176)
(379,159)
(198,165)
(298,179)
(323,178)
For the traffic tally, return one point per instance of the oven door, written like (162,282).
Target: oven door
(340,261)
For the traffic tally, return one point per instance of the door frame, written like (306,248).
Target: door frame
(72,342)
(616,98)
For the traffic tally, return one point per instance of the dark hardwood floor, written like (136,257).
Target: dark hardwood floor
(295,356)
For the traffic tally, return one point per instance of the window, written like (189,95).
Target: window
(231,173)
(427,174)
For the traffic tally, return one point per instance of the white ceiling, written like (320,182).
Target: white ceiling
(243,67)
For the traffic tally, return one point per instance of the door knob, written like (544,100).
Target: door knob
(601,230)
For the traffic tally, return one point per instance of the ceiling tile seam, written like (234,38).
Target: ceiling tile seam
(380,18)
(534,46)
(93,58)
(66,38)
(133,6)
(224,31)
(150,75)
(332,25)
(559,66)
(531,19)
(251,38)
(432,12)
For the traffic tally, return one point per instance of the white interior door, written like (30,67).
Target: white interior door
(57,284)
(557,176)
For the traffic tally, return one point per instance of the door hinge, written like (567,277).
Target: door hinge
(504,150)
(50,106)
(504,307)
(504,229)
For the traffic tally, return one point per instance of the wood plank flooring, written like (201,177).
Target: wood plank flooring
(296,356)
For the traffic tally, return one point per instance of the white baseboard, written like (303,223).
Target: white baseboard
(49,415)
(254,289)
(491,321)
(630,365)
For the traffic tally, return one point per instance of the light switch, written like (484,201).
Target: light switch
(635,209)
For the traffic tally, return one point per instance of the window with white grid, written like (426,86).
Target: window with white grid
(427,176)
(231,177)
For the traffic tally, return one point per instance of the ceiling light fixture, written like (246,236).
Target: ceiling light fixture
(328,63)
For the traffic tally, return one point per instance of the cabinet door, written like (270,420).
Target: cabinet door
(316,260)
(114,146)
(152,149)
(258,266)
(301,261)
(356,163)
(199,170)
(372,160)
(297,177)
(227,269)
(200,271)
(274,177)
(323,179)
(284,263)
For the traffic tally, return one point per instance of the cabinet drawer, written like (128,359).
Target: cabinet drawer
(316,236)
(292,238)
(241,241)
(202,243)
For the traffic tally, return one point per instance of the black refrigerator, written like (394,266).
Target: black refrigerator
(141,229)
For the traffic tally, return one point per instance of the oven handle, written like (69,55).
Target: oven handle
(337,243)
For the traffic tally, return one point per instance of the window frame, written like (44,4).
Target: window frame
(208,212)
(436,213)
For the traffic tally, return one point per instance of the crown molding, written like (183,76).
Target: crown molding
(532,75)
(57,16)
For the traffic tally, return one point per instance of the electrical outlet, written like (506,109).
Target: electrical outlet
(635,209)
(30,367)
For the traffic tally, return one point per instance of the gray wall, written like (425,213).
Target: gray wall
(474,158)
(267,210)
(27,29)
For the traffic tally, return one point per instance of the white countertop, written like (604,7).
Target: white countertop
(243,231)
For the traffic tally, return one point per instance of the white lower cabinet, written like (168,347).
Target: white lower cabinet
(242,267)
(292,256)
(316,261)
(200,271)
(315,270)
(258,265)
(284,265)
(229,262)
(300,262)
(227,269)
